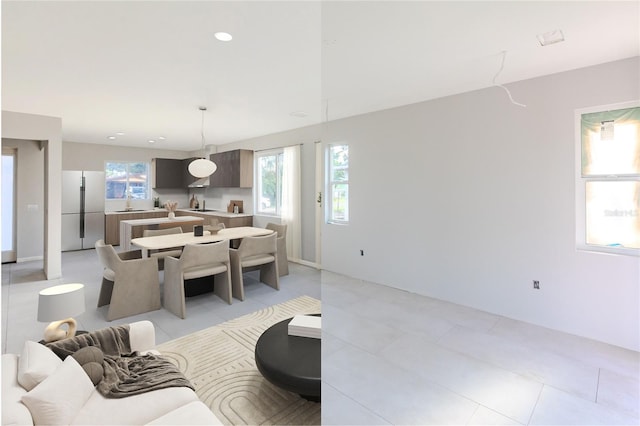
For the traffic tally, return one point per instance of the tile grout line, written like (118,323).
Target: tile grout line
(598,384)
(536,404)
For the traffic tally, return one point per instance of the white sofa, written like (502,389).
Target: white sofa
(38,389)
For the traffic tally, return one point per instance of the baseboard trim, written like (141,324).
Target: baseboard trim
(29,259)
(306,263)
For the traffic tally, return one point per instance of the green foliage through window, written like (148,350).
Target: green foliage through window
(338,161)
(269,183)
(124,178)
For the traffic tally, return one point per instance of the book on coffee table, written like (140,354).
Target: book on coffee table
(305,326)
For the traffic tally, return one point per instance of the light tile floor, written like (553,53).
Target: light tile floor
(392,357)
(21,283)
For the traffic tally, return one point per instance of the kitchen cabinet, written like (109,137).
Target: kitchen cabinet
(235,169)
(167,173)
(112,223)
(187,178)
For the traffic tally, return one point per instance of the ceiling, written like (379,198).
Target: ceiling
(144,68)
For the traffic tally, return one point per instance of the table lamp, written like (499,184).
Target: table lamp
(57,303)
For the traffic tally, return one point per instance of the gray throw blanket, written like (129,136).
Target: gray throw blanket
(125,374)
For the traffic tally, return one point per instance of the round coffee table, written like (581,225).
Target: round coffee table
(290,362)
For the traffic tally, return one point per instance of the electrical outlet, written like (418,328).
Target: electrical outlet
(536,284)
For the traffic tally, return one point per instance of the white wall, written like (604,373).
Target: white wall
(83,156)
(29,198)
(469,198)
(16,125)
(307,137)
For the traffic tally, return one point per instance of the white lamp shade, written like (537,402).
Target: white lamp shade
(60,302)
(202,167)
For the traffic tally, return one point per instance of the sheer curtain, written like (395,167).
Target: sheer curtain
(291,200)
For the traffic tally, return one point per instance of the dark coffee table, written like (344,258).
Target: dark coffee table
(290,362)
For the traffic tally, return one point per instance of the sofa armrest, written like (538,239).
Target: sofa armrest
(142,336)
(14,412)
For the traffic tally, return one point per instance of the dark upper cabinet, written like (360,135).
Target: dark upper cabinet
(235,169)
(187,178)
(167,173)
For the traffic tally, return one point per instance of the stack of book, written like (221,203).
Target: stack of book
(305,326)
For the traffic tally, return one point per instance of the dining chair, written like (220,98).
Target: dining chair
(283,261)
(196,261)
(259,252)
(130,283)
(161,254)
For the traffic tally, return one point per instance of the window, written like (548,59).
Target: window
(269,182)
(338,172)
(127,178)
(608,185)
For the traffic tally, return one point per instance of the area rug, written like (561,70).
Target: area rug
(219,362)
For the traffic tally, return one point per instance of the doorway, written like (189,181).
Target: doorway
(319,186)
(9,182)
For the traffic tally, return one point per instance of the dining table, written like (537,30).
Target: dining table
(159,242)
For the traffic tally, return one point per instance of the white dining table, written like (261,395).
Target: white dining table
(180,240)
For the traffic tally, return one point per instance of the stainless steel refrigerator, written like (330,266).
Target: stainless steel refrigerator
(82,209)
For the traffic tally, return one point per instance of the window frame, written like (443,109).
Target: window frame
(277,152)
(330,185)
(581,184)
(147,184)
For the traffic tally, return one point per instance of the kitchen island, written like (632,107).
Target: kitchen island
(134,228)
(113,219)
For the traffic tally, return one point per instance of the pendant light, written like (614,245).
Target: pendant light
(202,167)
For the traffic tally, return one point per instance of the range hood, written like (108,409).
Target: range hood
(200,183)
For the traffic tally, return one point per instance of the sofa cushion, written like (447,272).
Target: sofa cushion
(37,362)
(194,413)
(90,358)
(88,354)
(95,371)
(58,398)
(133,410)
(14,412)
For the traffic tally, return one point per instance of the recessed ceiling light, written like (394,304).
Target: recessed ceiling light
(550,37)
(299,114)
(222,36)
(161,138)
(152,141)
(111,138)
(120,133)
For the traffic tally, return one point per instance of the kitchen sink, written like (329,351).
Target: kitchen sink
(203,210)
(130,210)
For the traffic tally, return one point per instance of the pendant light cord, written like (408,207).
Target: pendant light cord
(203,109)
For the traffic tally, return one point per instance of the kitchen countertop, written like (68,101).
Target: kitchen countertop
(137,211)
(220,213)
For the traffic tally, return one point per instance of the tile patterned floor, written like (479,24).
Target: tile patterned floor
(392,357)
(21,283)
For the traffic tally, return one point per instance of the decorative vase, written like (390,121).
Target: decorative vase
(172,215)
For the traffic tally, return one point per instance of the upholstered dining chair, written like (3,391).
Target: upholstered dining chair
(130,284)
(283,261)
(196,261)
(163,253)
(253,252)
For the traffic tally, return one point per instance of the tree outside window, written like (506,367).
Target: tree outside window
(338,183)
(269,183)
(124,178)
